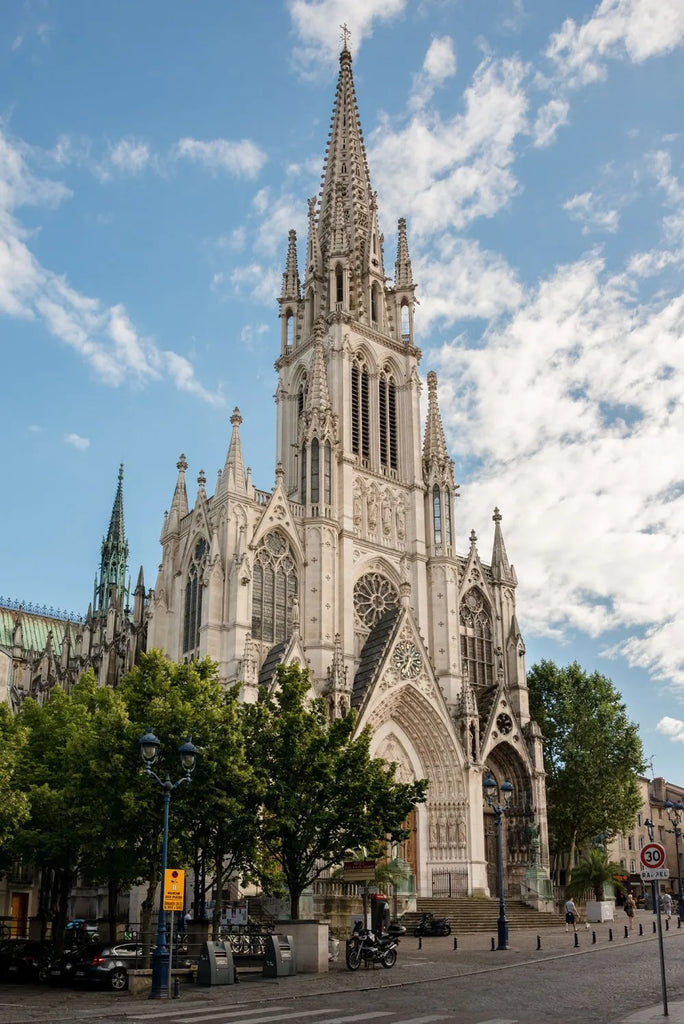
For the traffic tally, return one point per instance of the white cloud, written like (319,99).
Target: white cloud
(250,335)
(104,337)
(453,171)
(439,64)
(243,158)
(618,29)
(76,441)
(316,24)
(261,282)
(586,208)
(552,116)
(673,728)
(572,409)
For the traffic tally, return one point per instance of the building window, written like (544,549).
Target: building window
(192,617)
(274,587)
(632,866)
(477,654)
(339,284)
(327,473)
(639,821)
(437,515)
(630,842)
(360,410)
(447,515)
(387,407)
(641,842)
(373,596)
(315,471)
(302,492)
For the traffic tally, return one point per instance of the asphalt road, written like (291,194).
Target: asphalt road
(605,983)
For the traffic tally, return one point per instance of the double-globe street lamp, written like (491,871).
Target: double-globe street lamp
(149,751)
(506,791)
(674,814)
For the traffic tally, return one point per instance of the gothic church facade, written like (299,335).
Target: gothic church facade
(349,564)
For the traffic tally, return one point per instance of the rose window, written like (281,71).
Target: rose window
(373,595)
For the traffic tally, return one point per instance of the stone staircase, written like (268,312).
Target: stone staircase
(477,914)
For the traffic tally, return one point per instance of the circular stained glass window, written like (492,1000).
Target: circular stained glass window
(373,595)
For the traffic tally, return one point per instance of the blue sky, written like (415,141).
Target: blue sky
(153,157)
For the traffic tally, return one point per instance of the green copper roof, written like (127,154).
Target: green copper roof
(35,629)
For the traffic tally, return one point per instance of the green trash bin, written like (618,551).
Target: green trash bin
(279,956)
(215,965)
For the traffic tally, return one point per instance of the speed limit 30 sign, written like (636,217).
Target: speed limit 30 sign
(653,855)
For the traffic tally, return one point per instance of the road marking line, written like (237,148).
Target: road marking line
(422,1020)
(357,1016)
(218,1015)
(199,1009)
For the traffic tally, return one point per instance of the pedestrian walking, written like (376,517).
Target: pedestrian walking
(630,909)
(667,904)
(571,915)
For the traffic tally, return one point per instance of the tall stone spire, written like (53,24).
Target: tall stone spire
(501,567)
(291,288)
(179,502)
(318,395)
(434,446)
(234,469)
(113,558)
(345,173)
(403,274)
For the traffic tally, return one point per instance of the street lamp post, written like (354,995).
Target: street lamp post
(149,750)
(506,790)
(674,813)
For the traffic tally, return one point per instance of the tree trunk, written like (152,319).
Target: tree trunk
(295,893)
(64,878)
(571,858)
(146,917)
(218,902)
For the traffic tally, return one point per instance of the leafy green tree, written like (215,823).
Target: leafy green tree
(594,872)
(592,755)
(14,805)
(324,796)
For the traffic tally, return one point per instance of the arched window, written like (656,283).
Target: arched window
(327,473)
(437,514)
(447,515)
(310,310)
(374,594)
(192,614)
(301,397)
(339,284)
(375,305)
(315,472)
(387,408)
(405,323)
(360,410)
(289,328)
(302,493)
(274,587)
(477,652)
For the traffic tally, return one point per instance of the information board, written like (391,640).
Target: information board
(174,889)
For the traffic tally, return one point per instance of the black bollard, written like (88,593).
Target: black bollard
(679,922)
(539,942)
(667,925)
(176,987)
(654,927)
(593,938)
(420,942)
(493,944)
(576,940)
(641,928)
(626,932)
(610,934)
(455,942)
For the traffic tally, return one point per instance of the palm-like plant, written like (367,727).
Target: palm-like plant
(593,873)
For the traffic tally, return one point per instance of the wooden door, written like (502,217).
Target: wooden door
(19,923)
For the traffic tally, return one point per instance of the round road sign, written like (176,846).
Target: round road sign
(653,855)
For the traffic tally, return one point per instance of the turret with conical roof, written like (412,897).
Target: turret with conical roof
(438,474)
(111,584)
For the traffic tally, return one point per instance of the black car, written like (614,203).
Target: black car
(24,960)
(108,964)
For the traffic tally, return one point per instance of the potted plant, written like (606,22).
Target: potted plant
(595,872)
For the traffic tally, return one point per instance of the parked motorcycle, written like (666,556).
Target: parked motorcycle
(430,925)
(365,946)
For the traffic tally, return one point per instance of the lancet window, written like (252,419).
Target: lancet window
(477,649)
(192,616)
(274,588)
(437,514)
(360,411)
(387,407)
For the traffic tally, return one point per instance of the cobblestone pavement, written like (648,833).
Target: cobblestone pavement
(426,963)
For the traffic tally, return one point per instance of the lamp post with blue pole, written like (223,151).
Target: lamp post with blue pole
(674,814)
(149,751)
(506,791)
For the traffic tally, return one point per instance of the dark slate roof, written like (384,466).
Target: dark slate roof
(373,652)
(271,662)
(485,700)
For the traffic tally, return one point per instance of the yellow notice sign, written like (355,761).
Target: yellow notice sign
(174,889)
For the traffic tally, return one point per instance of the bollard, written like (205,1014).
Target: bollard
(493,944)
(593,938)
(679,922)
(610,934)
(654,927)
(576,940)
(641,928)
(420,942)
(667,925)
(455,942)
(539,942)
(626,932)
(176,987)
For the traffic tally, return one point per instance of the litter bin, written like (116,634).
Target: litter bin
(215,966)
(279,956)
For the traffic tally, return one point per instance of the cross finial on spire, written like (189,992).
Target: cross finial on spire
(345,36)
